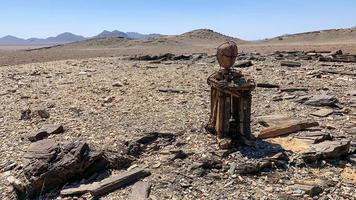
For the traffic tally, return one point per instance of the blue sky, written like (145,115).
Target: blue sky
(248,19)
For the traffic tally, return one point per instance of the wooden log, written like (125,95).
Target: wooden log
(109,184)
(140,191)
(289,63)
(267,85)
(285,128)
(339,72)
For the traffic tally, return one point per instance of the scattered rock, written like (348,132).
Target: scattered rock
(117,84)
(43,114)
(109,99)
(314,137)
(140,191)
(290,63)
(48,164)
(327,150)
(45,131)
(267,85)
(307,189)
(352,92)
(7,166)
(321,100)
(25,114)
(173,90)
(243,64)
(324,112)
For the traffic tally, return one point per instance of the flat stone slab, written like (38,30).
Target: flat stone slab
(324,112)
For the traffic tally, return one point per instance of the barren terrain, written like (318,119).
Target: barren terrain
(102,94)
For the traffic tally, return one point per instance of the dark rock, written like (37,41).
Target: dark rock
(53,128)
(45,131)
(140,191)
(25,114)
(48,164)
(352,158)
(243,64)
(43,114)
(118,157)
(38,135)
(7,166)
(290,63)
(321,100)
(314,137)
(182,57)
(232,168)
(311,190)
(327,150)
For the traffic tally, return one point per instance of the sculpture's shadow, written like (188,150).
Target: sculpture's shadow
(261,149)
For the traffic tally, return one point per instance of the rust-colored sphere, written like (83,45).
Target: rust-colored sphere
(226,54)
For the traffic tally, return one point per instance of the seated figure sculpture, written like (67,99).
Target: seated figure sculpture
(230,108)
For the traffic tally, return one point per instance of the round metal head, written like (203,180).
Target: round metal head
(226,54)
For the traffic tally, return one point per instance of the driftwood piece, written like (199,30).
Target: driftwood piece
(339,72)
(289,63)
(109,184)
(267,85)
(285,128)
(140,191)
(173,90)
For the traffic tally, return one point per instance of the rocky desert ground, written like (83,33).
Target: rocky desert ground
(140,107)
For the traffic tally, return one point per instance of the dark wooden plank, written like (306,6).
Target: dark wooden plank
(109,184)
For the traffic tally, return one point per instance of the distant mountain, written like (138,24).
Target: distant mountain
(11,40)
(70,37)
(114,33)
(207,34)
(65,37)
(135,35)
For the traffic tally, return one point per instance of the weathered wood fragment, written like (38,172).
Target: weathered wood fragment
(289,63)
(109,184)
(140,191)
(285,128)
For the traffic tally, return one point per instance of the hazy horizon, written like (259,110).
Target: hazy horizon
(252,20)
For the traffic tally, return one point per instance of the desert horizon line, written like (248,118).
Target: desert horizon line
(162,34)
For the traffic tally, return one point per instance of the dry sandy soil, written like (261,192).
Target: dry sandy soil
(73,82)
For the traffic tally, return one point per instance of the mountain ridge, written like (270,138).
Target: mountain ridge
(68,37)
